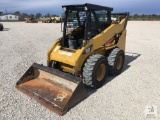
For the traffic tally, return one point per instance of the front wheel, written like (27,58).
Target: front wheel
(95,71)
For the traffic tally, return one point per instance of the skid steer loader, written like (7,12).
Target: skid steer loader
(56,19)
(82,57)
(31,20)
(47,20)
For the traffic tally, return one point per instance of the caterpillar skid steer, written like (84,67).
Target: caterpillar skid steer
(47,20)
(83,56)
(56,19)
(31,20)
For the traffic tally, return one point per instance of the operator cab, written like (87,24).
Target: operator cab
(82,23)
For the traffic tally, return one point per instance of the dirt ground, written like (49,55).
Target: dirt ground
(123,97)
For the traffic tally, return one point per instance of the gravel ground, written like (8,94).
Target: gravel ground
(123,97)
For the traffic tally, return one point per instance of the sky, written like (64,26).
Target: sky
(54,6)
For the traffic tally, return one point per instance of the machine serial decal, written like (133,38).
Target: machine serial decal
(65,53)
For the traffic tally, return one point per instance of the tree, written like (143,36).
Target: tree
(143,17)
(17,13)
(38,15)
(25,15)
(54,15)
(32,15)
(154,16)
(47,15)
(158,17)
(1,13)
(135,16)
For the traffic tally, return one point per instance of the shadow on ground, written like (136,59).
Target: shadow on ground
(129,57)
(6,29)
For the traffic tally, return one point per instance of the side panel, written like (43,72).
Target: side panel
(50,51)
(122,41)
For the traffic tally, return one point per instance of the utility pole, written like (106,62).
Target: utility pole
(6,11)
(6,14)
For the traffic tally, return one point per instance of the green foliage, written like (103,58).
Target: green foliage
(38,15)
(17,13)
(47,15)
(145,17)
(25,15)
(51,15)
(54,15)
(1,12)
(32,16)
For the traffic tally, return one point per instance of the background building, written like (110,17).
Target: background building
(9,17)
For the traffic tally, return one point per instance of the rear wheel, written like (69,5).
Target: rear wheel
(95,71)
(116,60)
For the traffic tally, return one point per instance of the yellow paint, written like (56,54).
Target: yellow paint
(77,59)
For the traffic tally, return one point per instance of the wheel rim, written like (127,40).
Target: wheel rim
(101,72)
(119,62)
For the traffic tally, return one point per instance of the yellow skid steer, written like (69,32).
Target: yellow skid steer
(83,56)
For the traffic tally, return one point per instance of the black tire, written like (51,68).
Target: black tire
(95,64)
(1,27)
(116,61)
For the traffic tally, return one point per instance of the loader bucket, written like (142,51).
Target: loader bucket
(54,89)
